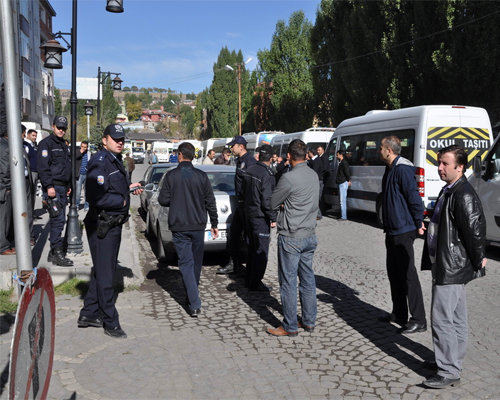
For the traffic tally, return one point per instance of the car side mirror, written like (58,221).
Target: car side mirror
(149,187)
(478,167)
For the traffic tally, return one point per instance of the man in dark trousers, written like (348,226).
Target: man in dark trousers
(403,216)
(243,162)
(6,216)
(108,194)
(316,164)
(258,187)
(54,171)
(455,248)
(343,180)
(189,194)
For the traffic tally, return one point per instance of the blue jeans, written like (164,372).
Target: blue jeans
(189,246)
(343,199)
(295,258)
(79,184)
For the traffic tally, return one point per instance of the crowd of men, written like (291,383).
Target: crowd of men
(272,193)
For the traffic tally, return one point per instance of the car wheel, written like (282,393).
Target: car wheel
(149,232)
(160,250)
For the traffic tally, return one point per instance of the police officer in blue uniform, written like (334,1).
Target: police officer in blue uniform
(54,171)
(108,194)
(238,225)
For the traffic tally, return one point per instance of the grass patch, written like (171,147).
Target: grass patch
(6,305)
(73,287)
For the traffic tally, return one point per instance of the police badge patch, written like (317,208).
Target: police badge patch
(100,179)
(45,153)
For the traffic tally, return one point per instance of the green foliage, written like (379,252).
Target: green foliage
(109,106)
(6,305)
(187,118)
(287,81)
(145,98)
(134,110)
(57,102)
(73,287)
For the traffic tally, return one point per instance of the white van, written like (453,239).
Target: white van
(163,150)
(486,182)
(423,131)
(255,140)
(220,145)
(312,137)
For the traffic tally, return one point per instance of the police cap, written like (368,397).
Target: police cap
(116,131)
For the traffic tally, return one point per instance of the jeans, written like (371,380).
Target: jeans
(343,199)
(295,258)
(189,246)
(79,184)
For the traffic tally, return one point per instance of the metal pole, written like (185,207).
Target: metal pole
(239,97)
(99,97)
(88,130)
(12,102)
(73,232)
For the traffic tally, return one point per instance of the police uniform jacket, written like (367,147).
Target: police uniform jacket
(258,187)
(107,185)
(53,162)
(242,164)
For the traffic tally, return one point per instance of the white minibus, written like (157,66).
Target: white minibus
(423,131)
(312,137)
(486,182)
(220,145)
(255,140)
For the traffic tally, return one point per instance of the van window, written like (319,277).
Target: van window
(362,149)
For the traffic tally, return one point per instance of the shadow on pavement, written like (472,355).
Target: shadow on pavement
(363,317)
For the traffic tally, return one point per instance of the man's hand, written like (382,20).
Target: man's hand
(422,230)
(51,192)
(137,191)
(215,233)
(68,192)
(273,224)
(485,260)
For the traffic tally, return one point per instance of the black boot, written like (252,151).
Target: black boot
(228,269)
(50,257)
(59,259)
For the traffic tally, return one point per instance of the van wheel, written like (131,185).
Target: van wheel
(380,218)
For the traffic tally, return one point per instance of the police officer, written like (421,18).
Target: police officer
(243,162)
(258,187)
(108,194)
(54,171)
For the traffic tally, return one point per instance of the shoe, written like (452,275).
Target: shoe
(412,327)
(115,332)
(38,217)
(440,382)
(9,252)
(432,365)
(305,327)
(228,269)
(392,318)
(281,332)
(194,313)
(84,322)
(57,257)
(261,288)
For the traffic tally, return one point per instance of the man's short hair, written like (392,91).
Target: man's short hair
(187,150)
(459,152)
(210,151)
(32,130)
(84,142)
(298,150)
(313,151)
(341,152)
(226,151)
(392,142)
(23,129)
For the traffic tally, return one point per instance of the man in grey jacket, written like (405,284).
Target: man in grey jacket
(297,198)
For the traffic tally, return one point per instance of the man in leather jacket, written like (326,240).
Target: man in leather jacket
(455,248)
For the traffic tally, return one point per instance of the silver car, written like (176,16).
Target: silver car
(152,178)
(222,179)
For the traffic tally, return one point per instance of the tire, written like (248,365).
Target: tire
(380,218)
(160,250)
(149,232)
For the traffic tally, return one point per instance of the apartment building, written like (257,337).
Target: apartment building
(32,25)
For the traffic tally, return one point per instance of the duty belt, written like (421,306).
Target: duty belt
(60,183)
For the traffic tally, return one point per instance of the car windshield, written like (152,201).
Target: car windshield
(138,149)
(221,181)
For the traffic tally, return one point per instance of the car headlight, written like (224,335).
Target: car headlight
(224,208)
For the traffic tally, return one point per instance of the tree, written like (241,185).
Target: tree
(109,106)
(287,78)
(187,118)
(57,102)
(134,110)
(134,89)
(145,98)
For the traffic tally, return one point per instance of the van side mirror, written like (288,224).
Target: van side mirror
(478,167)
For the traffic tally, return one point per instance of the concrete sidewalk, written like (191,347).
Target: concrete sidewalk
(129,270)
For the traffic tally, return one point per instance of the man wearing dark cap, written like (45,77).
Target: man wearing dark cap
(258,187)
(108,194)
(243,161)
(54,171)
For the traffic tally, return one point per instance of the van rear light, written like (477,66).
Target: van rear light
(420,178)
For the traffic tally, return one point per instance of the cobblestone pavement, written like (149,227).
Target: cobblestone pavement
(226,353)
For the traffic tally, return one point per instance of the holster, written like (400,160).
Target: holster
(105,222)
(53,206)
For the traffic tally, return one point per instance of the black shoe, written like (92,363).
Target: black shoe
(84,322)
(305,327)
(432,365)
(440,382)
(261,288)
(59,259)
(228,269)
(194,313)
(412,327)
(392,318)
(115,332)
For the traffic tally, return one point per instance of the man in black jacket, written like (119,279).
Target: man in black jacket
(258,187)
(54,171)
(316,163)
(189,194)
(343,180)
(455,248)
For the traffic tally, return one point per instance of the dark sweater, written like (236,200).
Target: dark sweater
(189,194)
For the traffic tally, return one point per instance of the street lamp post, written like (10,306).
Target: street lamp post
(54,60)
(89,110)
(101,78)
(229,68)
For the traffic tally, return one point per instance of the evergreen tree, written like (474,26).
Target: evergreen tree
(57,102)
(109,106)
